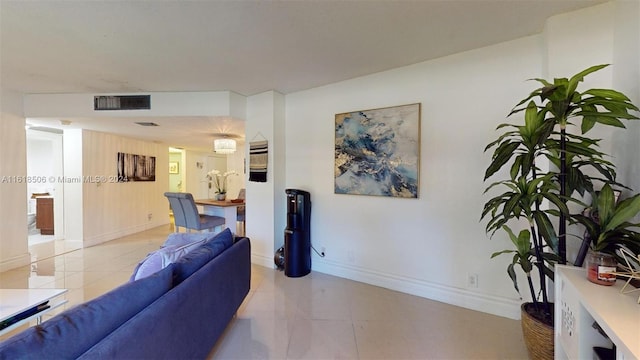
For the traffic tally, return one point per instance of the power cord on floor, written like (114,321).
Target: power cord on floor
(319,254)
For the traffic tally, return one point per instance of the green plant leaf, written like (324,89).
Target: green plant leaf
(608,94)
(501,156)
(527,163)
(512,274)
(546,230)
(592,228)
(533,94)
(555,92)
(516,166)
(501,252)
(611,105)
(501,138)
(575,79)
(588,121)
(626,210)
(605,204)
(531,118)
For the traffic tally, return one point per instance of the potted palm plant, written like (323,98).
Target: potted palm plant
(531,196)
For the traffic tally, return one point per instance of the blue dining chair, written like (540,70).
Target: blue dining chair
(186,215)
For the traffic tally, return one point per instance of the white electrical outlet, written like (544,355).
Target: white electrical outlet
(472,280)
(149,216)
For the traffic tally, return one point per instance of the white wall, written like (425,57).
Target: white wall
(236,162)
(13,166)
(73,194)
(626,77)
(112,209)
(265,210)
(429,245)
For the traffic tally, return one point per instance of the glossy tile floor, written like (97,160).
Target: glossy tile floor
(314,317)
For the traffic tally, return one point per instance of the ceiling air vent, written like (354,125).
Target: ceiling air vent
(146,123)
(122,102)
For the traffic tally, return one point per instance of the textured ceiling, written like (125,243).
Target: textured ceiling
(243,46)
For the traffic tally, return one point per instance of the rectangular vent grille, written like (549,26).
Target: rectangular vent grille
(122,102)
(143,123)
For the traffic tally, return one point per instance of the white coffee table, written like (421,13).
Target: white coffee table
(14,302)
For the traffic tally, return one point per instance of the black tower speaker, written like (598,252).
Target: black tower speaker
(297,236)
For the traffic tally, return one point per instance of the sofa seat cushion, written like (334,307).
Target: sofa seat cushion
(195,259)
(70,333)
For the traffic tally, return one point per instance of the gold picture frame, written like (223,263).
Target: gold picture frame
(174,167)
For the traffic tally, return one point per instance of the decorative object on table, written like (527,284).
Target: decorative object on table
(217,182)
(258,158)
(133,167)
(630,269)
(174,167)
(607,228)
(377,152)
(601,268)
(518,199)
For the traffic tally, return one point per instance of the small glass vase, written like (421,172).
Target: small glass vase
(601,268)
(221,197)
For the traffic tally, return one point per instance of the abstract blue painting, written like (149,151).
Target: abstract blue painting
(377,152)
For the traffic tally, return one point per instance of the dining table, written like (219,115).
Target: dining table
(225,208)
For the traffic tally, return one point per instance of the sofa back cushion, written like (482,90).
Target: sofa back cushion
(71,333)
(195,259)
(181,238)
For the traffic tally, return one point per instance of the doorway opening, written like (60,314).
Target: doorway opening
(45,190)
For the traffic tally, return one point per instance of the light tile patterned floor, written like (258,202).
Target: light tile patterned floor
(314,317)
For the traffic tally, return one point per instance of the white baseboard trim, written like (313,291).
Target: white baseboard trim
(15,262)
(262,260)
(447,294)
(101,238)
(73,243)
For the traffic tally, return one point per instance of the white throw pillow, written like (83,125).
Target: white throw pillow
(161,258)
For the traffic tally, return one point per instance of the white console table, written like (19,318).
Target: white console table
(15,301)
(579,303)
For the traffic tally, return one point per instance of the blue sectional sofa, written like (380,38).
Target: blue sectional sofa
(178,312)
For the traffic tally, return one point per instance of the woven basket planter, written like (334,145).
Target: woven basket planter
(538,337)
